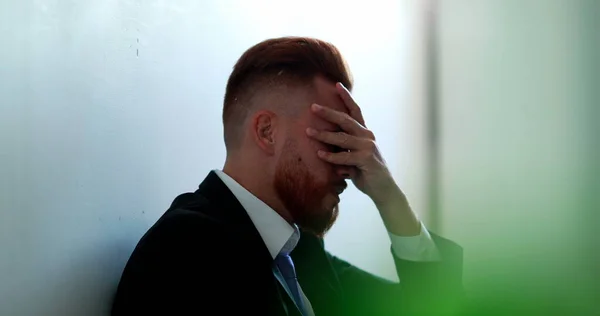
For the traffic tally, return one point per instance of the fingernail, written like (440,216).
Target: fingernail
(311,131)
(316,107)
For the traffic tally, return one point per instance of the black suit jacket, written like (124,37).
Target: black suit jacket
(205,257)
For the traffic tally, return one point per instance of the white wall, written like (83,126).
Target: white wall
(519,138)
(109,109)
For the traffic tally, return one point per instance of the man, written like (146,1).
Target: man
(250,239)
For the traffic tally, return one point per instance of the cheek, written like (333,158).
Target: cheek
(315,165)
(311,149)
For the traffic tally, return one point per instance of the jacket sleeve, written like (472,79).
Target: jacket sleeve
(425,288)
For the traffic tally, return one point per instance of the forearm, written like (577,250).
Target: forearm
(395,211)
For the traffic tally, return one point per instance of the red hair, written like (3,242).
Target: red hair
(284,60)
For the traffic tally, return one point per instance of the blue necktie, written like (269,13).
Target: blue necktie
(286,267)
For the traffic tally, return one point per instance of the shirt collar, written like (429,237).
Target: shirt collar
(278,235)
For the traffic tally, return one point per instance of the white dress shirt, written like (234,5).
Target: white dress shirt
(276,232)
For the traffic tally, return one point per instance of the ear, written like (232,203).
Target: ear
(263,128)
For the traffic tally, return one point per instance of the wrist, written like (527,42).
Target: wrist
(387,193)
(396,212)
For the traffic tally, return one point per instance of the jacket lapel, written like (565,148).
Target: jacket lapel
(227,208)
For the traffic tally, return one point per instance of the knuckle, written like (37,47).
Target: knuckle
(372,145)
(371,135)
(343,137)
(346,117)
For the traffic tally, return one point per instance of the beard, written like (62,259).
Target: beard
(302,195)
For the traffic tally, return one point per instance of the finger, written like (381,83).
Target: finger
(345,158)
(352,106)
(339,139)
(343,120)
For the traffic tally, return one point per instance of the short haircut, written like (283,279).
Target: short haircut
(283,61)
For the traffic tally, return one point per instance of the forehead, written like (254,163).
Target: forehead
(325,94)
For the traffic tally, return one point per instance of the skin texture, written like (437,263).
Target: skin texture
(308,185)
(298,148)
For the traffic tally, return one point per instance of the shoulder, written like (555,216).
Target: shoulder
(190,221)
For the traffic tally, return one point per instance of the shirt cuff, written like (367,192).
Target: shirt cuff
(415,248)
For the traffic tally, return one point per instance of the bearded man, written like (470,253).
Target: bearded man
(249,241)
